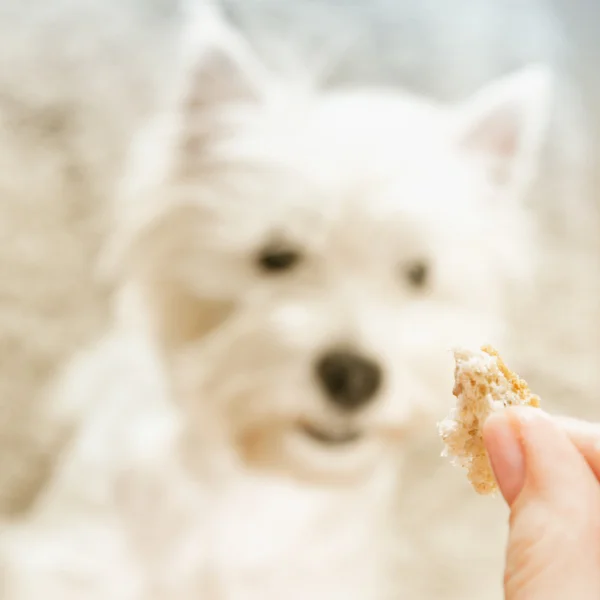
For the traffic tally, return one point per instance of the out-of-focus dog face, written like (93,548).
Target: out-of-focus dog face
(309,259)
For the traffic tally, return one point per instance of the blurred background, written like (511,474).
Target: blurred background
(78,77)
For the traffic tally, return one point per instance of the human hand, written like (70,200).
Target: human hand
(548,471)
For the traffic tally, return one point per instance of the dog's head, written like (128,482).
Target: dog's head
(307,259)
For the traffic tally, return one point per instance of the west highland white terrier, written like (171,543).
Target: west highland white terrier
(295,266)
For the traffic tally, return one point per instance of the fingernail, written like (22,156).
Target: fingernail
(505,450)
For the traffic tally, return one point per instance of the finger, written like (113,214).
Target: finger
(586,437)
(555,469)
(502,431)
(505,451)
(554,543)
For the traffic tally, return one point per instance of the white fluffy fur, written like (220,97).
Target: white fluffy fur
(190,474)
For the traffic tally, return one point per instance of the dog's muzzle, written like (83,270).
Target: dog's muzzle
(349,380)
(331,437)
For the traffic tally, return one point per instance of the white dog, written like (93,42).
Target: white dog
(295,266)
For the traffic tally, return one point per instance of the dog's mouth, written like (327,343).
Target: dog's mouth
(331,437)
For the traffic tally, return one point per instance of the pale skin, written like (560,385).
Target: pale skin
(548,470)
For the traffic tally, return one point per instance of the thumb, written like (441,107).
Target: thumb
(554,540)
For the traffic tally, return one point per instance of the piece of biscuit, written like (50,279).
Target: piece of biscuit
(483,385)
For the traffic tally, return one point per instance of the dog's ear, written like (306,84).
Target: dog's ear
(218,65)
(504,126)
(221,78)
(215,71)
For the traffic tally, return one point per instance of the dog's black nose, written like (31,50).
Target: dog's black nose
(350,380)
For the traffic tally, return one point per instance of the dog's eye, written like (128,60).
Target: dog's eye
(417,274)
(278,259)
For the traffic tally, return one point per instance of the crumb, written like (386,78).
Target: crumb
(483,385)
